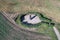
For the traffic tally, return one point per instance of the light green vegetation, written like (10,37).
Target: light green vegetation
(58,27)
(18,21)
(48,30)
(43,18)
(42,27)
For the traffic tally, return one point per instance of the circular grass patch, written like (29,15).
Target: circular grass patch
(40,15)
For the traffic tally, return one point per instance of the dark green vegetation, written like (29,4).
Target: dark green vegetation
(41,16)
(5,27)
(8,31)
(31,5)
(45,27)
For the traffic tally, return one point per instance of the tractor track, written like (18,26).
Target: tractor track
(18,33)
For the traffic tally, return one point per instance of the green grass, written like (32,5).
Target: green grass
(48,30)
(19,7)
(42,28)
(41,16)
(58,26)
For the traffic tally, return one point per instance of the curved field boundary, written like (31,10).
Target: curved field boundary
(20,33)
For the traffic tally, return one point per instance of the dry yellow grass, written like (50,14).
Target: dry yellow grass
(50,7)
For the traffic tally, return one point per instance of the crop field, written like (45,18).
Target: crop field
(50,8)
(4,28)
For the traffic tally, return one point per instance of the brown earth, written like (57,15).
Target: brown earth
(51,8)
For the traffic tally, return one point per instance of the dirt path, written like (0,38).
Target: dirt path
(21,33)
(57,32)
